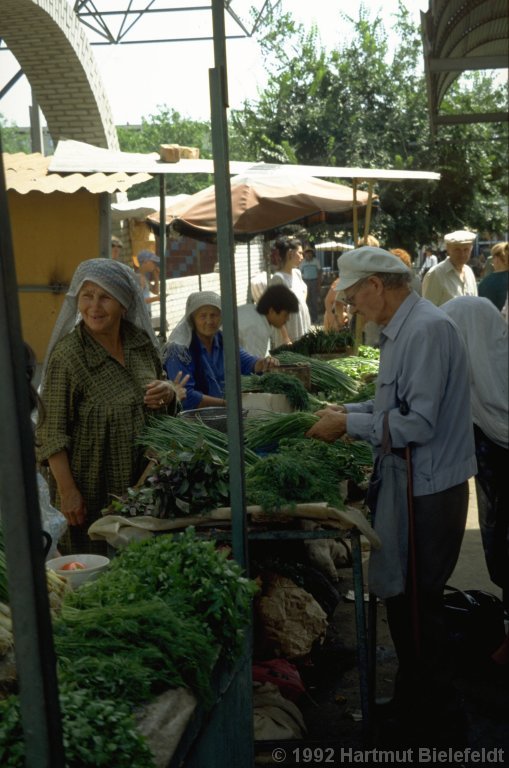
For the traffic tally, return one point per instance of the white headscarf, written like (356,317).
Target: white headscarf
(484,332)
(118,280)
(182,334)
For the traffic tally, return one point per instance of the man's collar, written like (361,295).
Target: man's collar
(393,327)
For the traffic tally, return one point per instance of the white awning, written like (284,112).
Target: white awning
(78,157)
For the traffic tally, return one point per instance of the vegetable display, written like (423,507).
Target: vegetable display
(266,433)
(319,341)
(160,616)
(183,482)
(96,733)
(166,432)
(324,377)
(304,470)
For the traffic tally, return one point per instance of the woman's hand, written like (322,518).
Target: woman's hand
(265,364)
(73,506)
(160,393)
(179,384)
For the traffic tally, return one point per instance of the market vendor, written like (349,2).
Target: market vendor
(256,321)
(195,350)
(101,378)
(423,398)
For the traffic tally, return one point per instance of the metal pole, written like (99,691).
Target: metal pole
(21,522)
(362,638)
(249,296)
(36,139)
(198,264)
(162,257)
(369,208)
(226,249)
(354,214)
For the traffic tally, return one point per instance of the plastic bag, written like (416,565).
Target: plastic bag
(281,673)
(53,521)
(475,622)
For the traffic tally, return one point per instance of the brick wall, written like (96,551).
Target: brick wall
(178,289)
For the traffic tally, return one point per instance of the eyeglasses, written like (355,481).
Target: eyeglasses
(350,300)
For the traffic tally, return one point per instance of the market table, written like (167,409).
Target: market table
(280,525)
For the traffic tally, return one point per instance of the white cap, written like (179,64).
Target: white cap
(460,237)
(362,262)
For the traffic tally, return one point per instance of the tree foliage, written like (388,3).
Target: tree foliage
(13,139)
(365,105)
(168,127)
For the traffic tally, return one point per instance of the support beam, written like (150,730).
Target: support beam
(464,63)
(473,117)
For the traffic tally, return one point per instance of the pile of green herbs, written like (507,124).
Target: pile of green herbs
(97,732)
(159,617)
(362,368)
(359,368)
(184,482)
(319,342)
(279,383)
(306,471)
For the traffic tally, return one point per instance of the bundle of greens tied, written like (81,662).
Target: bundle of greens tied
(161,616)
(319,341)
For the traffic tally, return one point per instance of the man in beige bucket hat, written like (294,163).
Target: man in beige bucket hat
(452,277)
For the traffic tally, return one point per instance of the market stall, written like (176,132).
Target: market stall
(295,489)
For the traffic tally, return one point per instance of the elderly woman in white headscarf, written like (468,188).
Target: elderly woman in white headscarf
(484,332)
(195,349)
(101,377)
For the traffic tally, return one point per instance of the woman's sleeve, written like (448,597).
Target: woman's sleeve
(173,365)
(53,434)
(247,362)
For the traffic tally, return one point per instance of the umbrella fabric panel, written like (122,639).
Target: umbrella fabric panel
(262,202)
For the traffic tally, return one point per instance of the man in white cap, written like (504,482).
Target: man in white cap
(422,402)
(452,277)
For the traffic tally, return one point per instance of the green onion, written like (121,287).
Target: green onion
(167,432)
(270,430)
(324,377)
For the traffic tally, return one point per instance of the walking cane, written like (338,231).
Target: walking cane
(412,557)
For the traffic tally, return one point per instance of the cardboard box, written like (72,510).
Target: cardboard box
(172,153)
(258,403)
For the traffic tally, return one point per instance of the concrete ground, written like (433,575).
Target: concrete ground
(471,571)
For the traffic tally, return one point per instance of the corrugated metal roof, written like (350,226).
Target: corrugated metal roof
(28,173)
(459,35)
